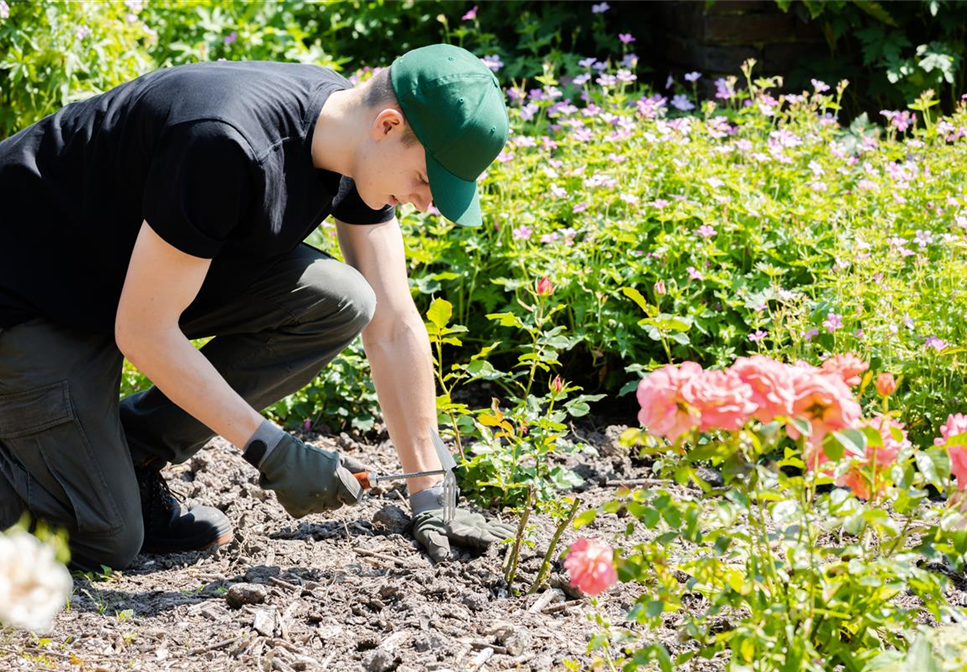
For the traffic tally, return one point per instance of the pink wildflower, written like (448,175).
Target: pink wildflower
(955,426)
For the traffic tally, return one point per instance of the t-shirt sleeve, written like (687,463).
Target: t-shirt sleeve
(349,208)
(197,186)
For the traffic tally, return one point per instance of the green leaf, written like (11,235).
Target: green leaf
(920,657)
(506,319)
(636,296)
(585,518)
(934,464)
(440,313)
(876,10)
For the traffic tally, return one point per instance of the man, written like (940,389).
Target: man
(173,207)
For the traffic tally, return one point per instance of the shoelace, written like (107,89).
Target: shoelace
(159,493)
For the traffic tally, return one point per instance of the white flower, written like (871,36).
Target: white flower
(33,585)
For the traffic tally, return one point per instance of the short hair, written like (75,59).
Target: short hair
(378,92)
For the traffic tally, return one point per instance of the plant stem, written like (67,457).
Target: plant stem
(510,571)
(550,549)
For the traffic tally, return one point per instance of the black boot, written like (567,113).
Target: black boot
(169,528)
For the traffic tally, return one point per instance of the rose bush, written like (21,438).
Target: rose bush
(799,557)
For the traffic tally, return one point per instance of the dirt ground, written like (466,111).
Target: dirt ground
(346,591)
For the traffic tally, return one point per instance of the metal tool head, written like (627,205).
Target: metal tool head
(449,480)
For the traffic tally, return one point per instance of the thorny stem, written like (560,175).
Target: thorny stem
(550,549)
(510,571)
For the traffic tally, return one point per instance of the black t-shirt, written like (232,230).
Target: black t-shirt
(215,156)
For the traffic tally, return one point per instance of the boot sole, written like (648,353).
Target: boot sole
(184,545)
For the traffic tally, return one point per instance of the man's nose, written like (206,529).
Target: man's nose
(421,201)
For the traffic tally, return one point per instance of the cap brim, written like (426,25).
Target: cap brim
(455,198)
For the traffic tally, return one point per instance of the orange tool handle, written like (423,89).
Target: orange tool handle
(363,478)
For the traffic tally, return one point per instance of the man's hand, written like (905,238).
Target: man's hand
(307,479)
(466,529)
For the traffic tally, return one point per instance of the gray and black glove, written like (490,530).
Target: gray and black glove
(466,529)
(305,479)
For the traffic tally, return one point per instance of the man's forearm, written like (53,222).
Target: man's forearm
(403,375)
(190,381)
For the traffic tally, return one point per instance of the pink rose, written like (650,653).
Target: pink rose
(823,400)
(591,566)
(723,399)
(848,367)
(664,409)
(771,383)
(956,424)
(859,478)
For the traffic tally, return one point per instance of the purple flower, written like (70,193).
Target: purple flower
(626,38)
(307,425)
(558,192)
(810,334)
(471,15)
(681,102)
(587,62)
(82,32)
(528,111)
(607,80)
(819,86)
(580,207)
(692,76)
(725,88)
(757,336)
(523,233)
(4,10)
(630,60)
(549,237)
(705,231)
(231,37)
(600,8)
(659,203)
(626,76)
(832,321)
(899,120)
(935,343)
(693,274)
(493,62)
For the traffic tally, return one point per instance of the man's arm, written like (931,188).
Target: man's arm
(397,346)
(161,283)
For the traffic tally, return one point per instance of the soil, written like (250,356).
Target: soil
(350,590)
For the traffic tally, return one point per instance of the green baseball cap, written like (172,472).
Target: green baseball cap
(456,108)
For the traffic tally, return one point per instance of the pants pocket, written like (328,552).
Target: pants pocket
(40,428)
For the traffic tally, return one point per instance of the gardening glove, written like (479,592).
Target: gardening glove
(466,528)
(305,479)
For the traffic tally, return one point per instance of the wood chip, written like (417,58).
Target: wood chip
(560,606)
(548,596)
(641,482)
(480,659)
(213,647)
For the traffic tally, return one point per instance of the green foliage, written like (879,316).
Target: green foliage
(775,573)
(904,47)
(55,52)
(342,396)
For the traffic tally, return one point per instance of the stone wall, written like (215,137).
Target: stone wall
(716,39)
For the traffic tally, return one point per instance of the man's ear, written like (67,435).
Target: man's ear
(387,122)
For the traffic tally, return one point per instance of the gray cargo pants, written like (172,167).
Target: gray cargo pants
(68,446)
